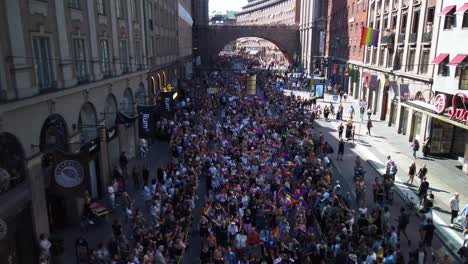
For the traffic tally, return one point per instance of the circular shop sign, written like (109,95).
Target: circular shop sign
(3,229)
(69,174)
(440,103)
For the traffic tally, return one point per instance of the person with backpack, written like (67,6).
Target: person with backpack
(415,148)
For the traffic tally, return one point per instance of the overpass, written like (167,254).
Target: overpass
(214,38)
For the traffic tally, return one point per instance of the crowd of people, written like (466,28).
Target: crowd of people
(271,193)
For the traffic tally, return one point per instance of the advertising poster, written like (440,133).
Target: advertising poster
(319,90)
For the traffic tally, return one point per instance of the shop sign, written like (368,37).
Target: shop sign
(69,174)
(146,121)
(3,229)
(460,114)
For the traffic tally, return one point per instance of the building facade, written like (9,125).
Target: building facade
(185,24)
(268,12)
(398,70)
(313,23)
(71,75)
(448,118)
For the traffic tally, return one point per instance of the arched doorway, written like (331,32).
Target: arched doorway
(126,132)
(87,126)
(140,95)
(113,145)
(12,166)
(53,138)
(17,244)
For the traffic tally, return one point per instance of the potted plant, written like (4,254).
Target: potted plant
(57,249)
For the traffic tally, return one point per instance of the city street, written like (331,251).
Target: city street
(375,149)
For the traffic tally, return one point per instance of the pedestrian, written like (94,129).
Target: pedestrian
(415,147)
(136,177)
(123,160)
(393,170)
(403,221)
(411,172)
(423,188)
(340,150)
(369,126)
(369,112)
(422,173)
(361,111)
(44,246)
(340,131)
(454,208)
(351,112)
(326,113)
(428,230)
(145,174)
(111,192)
(143,147)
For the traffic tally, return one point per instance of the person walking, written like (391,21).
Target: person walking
(411,172)
(326,113)
(369,112)
(415,148)
(393,170)
(369,126)
(454,208)
(351,112)
(422,173)
(136,177)
(340,150)
(340,131)
(361,111)
(423,188)
(403,221)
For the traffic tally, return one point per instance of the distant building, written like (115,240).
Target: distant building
(229,18)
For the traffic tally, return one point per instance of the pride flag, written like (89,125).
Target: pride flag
(287,185)
(369,37)
(251,133)
(268,159)
(288,163)
(208,211)
(276,233)
(279,219)
(237,189)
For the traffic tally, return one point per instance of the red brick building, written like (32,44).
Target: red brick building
(344,22)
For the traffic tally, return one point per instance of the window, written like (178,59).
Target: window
(465,20)
(138,55)
(415,22)
(81,66)
(120,10)
(74,4)
(464,77)
(410,63)
(105,58)
(124,55)
(101,8)
(450,20)
(424,64)
(382,57)
(404,19)
(43,62)
(135,10)
(444,68)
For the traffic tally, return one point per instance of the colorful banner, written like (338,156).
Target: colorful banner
(369,37)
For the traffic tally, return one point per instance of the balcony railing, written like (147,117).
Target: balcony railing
(387,40)
(427,37)
(413,37)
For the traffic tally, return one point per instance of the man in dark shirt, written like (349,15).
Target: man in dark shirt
(340,150)
(428,233)
(423,189)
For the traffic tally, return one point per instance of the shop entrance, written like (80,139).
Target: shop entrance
(416,126)
(383,112)
(403,121)
(393,113)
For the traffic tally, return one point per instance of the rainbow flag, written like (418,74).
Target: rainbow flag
(369,37)
(209,211)
(259,131)
(294,198)
(251,133)
(288,163)
(237,189)
(268,159)
(276,234)
(287,185)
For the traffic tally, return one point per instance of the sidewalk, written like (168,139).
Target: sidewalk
(158,155)
(386,142)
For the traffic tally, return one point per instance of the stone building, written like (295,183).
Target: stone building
(313,21)
(268,12)
(71,75)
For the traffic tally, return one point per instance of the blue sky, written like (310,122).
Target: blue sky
(223,5)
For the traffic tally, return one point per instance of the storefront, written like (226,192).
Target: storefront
(448,124)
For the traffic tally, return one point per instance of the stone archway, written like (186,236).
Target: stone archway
(127,102)
(110,111)
(87,123)
(286,38)
(12,162)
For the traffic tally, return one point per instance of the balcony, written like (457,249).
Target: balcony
(401,39)
(427,37)
(388,40)
(413,37)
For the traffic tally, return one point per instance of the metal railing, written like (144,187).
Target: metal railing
(413,37)
(401,38)
(387,40)
(427,37)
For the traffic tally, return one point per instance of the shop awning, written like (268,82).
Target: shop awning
(446,10)
(440,58)
(457,60)
(462,9)
(431,113)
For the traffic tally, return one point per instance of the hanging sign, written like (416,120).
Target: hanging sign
(146,120)
(69,174)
